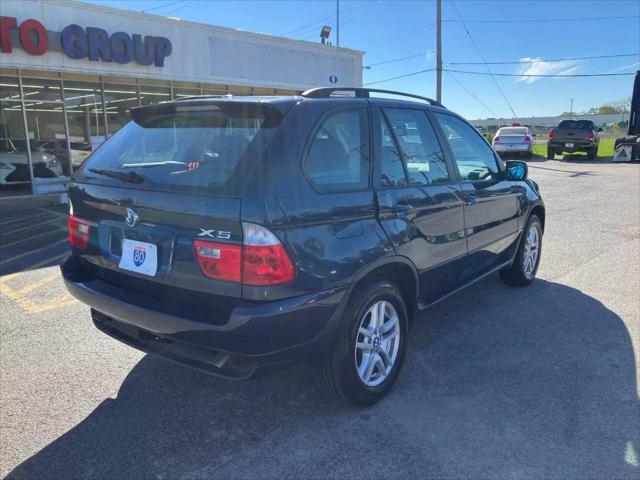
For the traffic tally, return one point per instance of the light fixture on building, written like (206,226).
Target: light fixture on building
(324,34)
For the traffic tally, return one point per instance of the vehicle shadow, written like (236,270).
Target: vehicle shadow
(585,160)
(498,383)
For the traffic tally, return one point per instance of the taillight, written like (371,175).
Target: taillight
(552,133)
(265,261)
(527,138)
(79,232)
(592,136)
(220,261)
(261,260)
(496,138)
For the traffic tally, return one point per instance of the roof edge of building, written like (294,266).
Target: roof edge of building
(204,26)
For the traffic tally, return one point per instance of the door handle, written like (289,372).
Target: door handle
(400,207)
(470,199)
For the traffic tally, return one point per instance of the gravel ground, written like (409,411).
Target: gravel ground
(539,382)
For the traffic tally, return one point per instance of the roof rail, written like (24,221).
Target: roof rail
(325,92)
(193,97)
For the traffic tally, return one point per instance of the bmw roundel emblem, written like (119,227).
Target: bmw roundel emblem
(333,79)
(130,217)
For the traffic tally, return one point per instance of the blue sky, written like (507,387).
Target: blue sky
(390,29)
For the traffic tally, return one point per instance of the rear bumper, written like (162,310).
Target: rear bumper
(249,336)
(512,148)
(578,145)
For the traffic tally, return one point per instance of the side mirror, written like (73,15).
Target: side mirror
(600,129)
(533,135)
(516,170)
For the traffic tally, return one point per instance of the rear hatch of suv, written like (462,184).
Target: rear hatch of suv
(168,179)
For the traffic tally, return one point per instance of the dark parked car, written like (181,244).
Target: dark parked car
(574,136)
(230,234)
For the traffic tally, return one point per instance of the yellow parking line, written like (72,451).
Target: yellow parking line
(42,282)
(18,295)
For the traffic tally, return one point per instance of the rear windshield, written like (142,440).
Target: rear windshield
(196,151)
(575,125)
(513,131)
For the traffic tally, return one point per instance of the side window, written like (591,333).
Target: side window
(474,158)
(338,158)
(419,146)
(392,170)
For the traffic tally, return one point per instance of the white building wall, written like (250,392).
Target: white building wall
(201,53)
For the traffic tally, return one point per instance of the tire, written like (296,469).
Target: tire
(592,153)
(551,153)
(528,155)
(523,272)
(339,375)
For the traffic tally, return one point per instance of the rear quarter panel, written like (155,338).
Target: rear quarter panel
(331,237)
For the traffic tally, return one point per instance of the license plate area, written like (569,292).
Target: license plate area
(568,145)
(139,257)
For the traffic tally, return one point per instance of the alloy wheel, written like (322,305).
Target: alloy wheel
(377,343)
(531,251)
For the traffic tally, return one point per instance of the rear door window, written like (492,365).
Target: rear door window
(187,151)
(338,157)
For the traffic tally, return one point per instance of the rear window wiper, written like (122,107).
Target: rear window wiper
(131,177)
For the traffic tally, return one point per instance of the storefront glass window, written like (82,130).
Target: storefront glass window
(119,99)
(184,89)
(46,132)
(85,119)
(154,94)
(14,164)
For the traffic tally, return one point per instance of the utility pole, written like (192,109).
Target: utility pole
(439,50)
(571,109)
(337,23)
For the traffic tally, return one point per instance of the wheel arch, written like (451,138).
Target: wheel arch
(398,270)
(539,211)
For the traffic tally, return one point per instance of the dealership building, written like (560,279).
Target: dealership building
(71,71)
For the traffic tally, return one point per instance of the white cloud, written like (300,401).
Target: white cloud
(540,67)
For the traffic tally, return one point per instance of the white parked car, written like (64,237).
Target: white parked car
(513,141)
(13,152)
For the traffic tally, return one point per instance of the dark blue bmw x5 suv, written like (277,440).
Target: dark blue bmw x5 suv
(231,234)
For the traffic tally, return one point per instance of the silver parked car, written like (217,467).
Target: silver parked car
(513,141)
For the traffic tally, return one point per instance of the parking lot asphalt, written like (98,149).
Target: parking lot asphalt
(498,382)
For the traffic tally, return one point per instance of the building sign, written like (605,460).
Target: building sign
(91,43)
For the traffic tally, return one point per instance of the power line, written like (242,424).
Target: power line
(559,75)
(510,62)
(543,20)
(162,6)
(518,62)
(464,25)
(303,28)
(398,59)
(546,75)
(400,76)
(472,94)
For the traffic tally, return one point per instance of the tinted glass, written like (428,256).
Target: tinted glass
(576,125)
(392,170)
(419,146)
(338,157)
(474,158)
(185,151)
